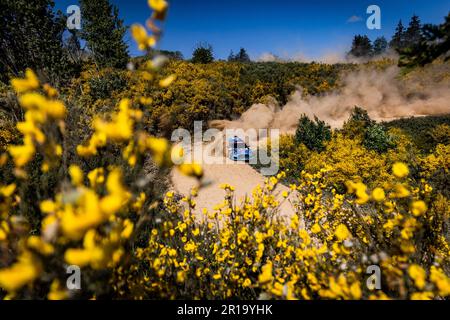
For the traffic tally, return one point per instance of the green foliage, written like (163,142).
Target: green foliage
(398,39)
(31,37)
(440,134)
(358,123)
(413,34)
(425,132)
(103,31)
(361,46)
(102,87)
(203,53)
(241,56)
(378,139)
(433,43)
(379,46)
(312,134)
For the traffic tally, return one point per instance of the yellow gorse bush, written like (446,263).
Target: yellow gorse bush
(102,212)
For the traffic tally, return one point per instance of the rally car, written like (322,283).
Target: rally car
(238,150)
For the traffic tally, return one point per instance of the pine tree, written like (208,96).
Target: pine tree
(361,46)
(379,45)
(103,31)
(413,34)
(398,40)
(231,56)
(31,37)
(241,56)
(74,49)
(435,43)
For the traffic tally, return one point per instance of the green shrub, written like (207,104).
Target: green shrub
(378,139)
(312,134)
(358,123)
(103,87)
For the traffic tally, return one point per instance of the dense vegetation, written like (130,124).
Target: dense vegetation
(84,181)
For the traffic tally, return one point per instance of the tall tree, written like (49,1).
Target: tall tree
(379,45)
(103,31)
(398,40)
(203,53)
(435,43)
(232,56)
(242,56)
(361,46)
(31,37)
(413,34)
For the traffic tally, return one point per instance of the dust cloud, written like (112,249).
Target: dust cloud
(385,94)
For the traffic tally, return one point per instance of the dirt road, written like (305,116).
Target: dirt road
(237,174)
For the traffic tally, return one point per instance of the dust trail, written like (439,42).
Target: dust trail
(383,93)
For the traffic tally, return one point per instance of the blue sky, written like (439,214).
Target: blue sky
(311,29)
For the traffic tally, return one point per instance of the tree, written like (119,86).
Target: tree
(103,31)
(379,46)
(361,46)
(358,123)
(398,39)
(241,56)
(413,34)
(31,37)
(203,53)
(73,47)
(435,42)
(312,134)
(231,57)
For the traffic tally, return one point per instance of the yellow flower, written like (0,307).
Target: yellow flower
(160,149)
(247,283)
(141,37)
(422,295)
(167,81)
(96,177)
(48,206)
(400,170)
(36,243)
(24,271)
(342,232)
(266,274)
(57,292)
(400,191)
(315,228)
(181,276)
(418,208)
(8,190)
(82,257)
(30,82)
(158,5)
(50,91)
(191,170)
(355,290)
(24,153)
(378,194)
(128,229)
(418,275)
(76,174)
(441,281)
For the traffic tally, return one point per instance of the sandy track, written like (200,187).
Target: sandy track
(238,174)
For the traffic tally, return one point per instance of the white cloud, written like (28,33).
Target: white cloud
(353,19)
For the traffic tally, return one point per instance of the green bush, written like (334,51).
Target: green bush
(103,87)
(312,134)
(358,123)
(378,139)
